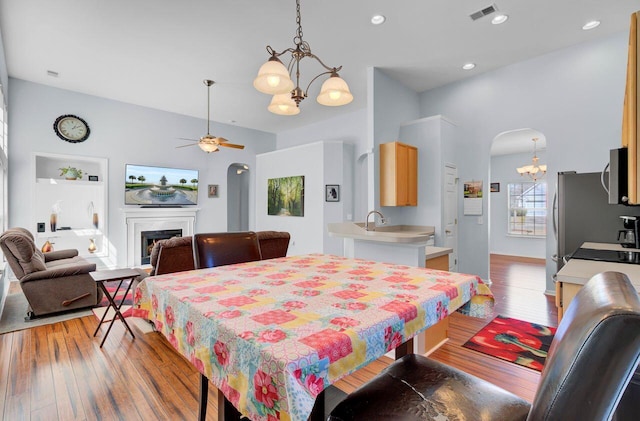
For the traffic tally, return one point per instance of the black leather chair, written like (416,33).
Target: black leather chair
(592,358)
(225,248)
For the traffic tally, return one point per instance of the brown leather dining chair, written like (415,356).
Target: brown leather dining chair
(591,361)
(220,249)
(273,244)
(225,248)
(171,255)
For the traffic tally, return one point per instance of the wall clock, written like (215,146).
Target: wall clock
(71,128)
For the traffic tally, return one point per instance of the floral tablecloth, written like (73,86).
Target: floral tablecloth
(272,334)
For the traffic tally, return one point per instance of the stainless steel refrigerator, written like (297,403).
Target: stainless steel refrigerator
(582,213)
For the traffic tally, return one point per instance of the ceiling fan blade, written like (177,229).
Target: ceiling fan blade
(222,140)
(184,146)
(186,138)
(231,145)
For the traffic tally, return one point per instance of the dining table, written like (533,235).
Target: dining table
(272,335)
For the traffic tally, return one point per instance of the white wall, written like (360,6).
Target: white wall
(123,133)
(574,96)
(435,139)
(392,104)
(321,163)
(350,129)
(503,172)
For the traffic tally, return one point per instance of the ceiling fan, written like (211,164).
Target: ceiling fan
(209,143)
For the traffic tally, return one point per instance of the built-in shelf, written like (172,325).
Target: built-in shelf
(64,182)
(78,204)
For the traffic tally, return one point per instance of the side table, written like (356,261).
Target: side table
(121,275)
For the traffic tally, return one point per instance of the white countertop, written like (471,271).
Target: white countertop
(433,252)
(401,234)
(578,271)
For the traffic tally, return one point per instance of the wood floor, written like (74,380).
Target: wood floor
(59,372)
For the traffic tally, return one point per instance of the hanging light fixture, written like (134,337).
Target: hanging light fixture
(535,171)
(274,78)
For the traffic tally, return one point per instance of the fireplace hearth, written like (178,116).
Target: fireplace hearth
(148,239)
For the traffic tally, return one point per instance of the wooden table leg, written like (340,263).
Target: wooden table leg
(404,349)
(204,396)
(226,410)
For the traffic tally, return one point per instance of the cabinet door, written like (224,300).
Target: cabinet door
(398,174)
(412,176)
(402,174)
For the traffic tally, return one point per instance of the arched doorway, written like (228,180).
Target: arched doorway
(519,207)
(238,197)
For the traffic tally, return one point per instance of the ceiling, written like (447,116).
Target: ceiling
(156,53)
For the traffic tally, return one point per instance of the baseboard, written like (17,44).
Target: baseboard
(4,287)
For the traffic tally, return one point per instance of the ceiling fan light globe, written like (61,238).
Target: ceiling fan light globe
(334,92)
(283,104)
(273,78)
(208,146)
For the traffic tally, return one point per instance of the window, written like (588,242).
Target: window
(4,199)
(527,209)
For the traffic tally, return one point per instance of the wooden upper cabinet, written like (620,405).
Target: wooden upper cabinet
(630,113)
(398,174)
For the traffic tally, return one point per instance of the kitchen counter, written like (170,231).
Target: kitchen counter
(576,272)
(385,234)
(433,252)
(400,244)
(579,271)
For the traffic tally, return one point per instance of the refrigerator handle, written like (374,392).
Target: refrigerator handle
(554,212)
(604,184)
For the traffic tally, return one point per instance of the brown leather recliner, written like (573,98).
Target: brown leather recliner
(273,244)
(172,255)
(592,358)
(52,282)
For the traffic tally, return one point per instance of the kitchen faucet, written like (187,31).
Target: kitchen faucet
(366,222)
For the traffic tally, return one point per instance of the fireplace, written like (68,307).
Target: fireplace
(148,239)
(173,221)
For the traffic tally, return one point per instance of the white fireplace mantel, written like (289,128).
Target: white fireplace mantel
(153,219)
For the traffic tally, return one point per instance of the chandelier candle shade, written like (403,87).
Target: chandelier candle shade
(274,78)
(535,171)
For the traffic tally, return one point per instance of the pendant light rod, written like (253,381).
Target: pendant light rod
(208,82)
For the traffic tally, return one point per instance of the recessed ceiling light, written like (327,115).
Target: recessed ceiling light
(469,66)
(591,25)
(497,20)
(378,19)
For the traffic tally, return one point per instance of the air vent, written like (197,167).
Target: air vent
(52,73)
(484,12)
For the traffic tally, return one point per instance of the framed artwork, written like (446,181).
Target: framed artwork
(212,190)
(332,193)
(494,188)
(285,196)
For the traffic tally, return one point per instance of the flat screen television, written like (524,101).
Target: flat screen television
(160,186)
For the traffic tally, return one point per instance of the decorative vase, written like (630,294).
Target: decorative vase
(92,246)
(53,220)
(47,247)
(95,220)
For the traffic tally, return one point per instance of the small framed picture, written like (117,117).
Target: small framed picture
(93,178)
(212,190)
(494,187)
(332,193)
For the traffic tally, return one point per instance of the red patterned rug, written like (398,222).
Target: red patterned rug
(517,341)
(126,308)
